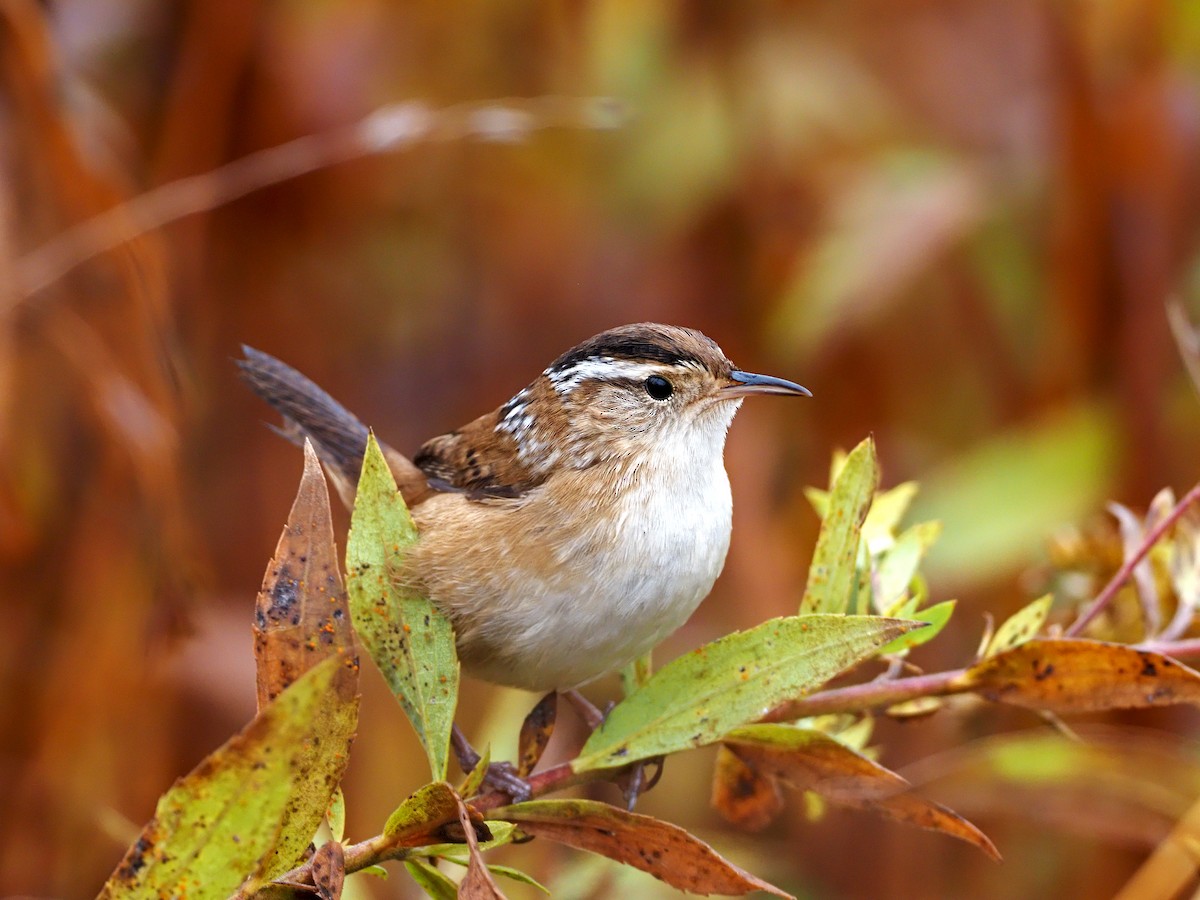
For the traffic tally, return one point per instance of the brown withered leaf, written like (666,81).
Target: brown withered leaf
(478,883)
(301,615)
(535,733)
(329,870)
(812,760)
(664,850)
(1074,675)
(745,797)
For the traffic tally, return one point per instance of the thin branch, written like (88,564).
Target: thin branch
(389,128)
(1105,597)
(869,695)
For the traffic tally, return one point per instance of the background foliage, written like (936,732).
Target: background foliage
(955,220)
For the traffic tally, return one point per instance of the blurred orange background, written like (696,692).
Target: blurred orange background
(956,221)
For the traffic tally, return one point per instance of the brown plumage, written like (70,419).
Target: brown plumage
(577,525)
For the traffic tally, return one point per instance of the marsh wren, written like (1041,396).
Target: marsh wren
(572,529)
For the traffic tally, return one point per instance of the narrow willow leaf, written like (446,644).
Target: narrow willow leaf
(300,615)
(409,639)
(432,881)
(478,884)
(935,617)
(831,577)
(1021,626)
(812,760)
(664,850)
(898,566)
(474,780)
(518,876)
(696,698)
(216,825)
(1081,676)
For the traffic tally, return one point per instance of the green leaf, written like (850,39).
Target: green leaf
(432,881)
(1021,626)
(217,824)
(935,616)
(896,569)
(518,875)
(337,815)
(474,780)
(832,575)
(410,640)
(696,698)
(999,499)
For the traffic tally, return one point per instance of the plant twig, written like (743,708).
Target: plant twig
(1105,597)
(388,128)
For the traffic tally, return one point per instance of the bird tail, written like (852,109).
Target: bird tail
(337,435)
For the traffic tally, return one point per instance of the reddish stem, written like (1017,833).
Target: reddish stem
(1105,597)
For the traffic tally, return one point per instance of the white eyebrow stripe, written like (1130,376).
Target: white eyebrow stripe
(603,368)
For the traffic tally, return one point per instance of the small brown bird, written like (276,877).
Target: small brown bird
(572,529)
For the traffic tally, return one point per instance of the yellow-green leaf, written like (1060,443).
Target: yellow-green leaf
(832,575)
(883,518)
(410,640)
(217,824)
(898,565)
(696,698)
(431,880)
(1021,626)
(415,821)
(935,617)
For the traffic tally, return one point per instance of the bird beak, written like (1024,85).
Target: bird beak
(746,384)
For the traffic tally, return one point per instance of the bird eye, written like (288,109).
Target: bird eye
(658,387)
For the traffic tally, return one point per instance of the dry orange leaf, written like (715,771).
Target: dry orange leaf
(301,616)
(812,760)
(745,797)
(478,883)
(664,850)
(1072,675)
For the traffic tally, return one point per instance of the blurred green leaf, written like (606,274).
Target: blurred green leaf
(474,780)
(410,640)
(1021,626)
(696,698)
(999,500)
(832,574)
(337,815)
(895,570)
(519,876)
(937,616)
(883,518)
(218,824)
(433,882)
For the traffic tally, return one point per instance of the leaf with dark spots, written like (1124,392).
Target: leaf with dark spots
(1074,675)
(664,850)
(419,820)
(745,797)
(409,640)
(329,870)
(808,759)
(833,572)
(696,698)
(300,614)
(535,733)
(228,818)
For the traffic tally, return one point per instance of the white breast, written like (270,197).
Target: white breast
(583,591)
